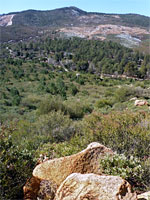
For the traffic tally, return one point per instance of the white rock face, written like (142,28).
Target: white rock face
(91,186)
(140,102)
(6,20)
(144,196)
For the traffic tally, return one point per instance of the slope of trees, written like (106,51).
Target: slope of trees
(79,54)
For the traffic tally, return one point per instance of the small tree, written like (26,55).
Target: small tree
(131,69)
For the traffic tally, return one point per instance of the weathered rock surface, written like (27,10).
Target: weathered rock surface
(94,187)
(50,174)
(47,190)
(87,161)
(144,196)
(140,102)
(31,188)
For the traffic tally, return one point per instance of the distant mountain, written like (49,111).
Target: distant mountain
(69,16)
(30,23)
(53,18)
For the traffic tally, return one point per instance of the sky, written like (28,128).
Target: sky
(105,6)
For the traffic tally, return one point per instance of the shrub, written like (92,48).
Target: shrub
(58,87)
(55,127)
(124,132)
(14,91)
(119,106)
(16,100)
(140,84)
(85,92)
(74,90)
(128,168)
(123,94)
(61,87)
(109,92)
(52,88)
(140,92)
(51,104)
(103,103)
(31,101)
(80,80)
(67,148)
(76,110)
(15,167)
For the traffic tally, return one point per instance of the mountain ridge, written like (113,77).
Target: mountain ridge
(31,23)
(71,10)
(76,8)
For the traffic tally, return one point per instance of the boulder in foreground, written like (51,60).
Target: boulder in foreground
(52,173)
(94,187)
(144,196)
(86,161)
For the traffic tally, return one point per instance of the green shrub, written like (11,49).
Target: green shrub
(66,148)
(55,127)
(139,84)
(15,167)
(76,110)
(52,88)
(30,101)
(16,100)
(61,88)
(124,132)
(80,80)
(146,174)
(14,91)
(109,92)
(123,94)
(73,89)
(103,103)
(128,168)
(85,92)
(51,104)
(142,93)
(119,106)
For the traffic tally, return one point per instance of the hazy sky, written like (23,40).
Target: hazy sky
(106,6)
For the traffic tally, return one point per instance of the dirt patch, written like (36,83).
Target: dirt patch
(104,30)
(6,20)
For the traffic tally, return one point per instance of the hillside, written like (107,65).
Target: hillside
(53,102)
(38,62)
(132,29)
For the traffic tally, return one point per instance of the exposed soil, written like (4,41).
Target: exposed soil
(6,20)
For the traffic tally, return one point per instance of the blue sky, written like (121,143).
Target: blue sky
(106,6)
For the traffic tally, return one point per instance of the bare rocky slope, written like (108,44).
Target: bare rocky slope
(128,29)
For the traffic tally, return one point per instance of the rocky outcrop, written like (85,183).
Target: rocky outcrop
(31,188)
(144,196)
(54,172)
(94,187)
(87,161)
(47,190)
(140,102)
(77,177)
